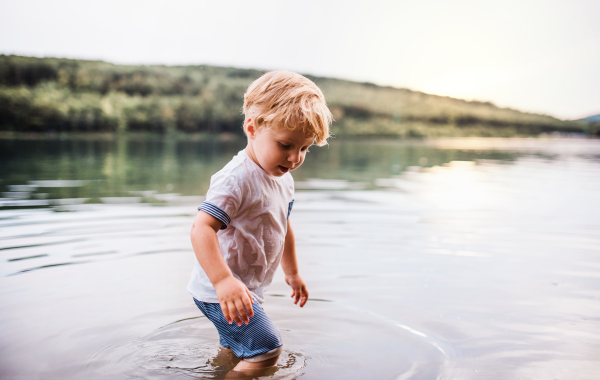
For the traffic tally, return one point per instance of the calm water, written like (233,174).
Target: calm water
(437,259)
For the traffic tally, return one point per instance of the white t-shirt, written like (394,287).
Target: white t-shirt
(254,207)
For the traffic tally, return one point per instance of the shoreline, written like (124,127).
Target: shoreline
(228,136)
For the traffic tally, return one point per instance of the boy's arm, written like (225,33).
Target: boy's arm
(233,294)
(290,268)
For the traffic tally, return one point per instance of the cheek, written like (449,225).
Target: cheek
(302,157)
(276,156)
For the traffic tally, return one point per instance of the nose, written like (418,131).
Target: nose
(295,157)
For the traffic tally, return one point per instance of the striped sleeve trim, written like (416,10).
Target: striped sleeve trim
(291,204)
(215,211)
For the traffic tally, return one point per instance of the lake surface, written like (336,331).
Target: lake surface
(428,259)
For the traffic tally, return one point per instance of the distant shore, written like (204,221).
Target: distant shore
(239,137)
(57,95)
(109,135)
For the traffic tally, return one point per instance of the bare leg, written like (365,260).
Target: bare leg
(245,369)
(225,359)
(244,364)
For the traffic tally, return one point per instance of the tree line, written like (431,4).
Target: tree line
(66,95)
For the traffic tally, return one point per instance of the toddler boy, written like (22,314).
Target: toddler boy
(242,231)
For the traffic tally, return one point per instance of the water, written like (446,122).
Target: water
(437,259)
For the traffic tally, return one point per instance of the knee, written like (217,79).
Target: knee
(270,355)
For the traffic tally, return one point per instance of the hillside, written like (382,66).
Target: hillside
(64,95)
(592,119)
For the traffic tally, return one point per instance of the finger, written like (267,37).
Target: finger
(233,313)
(250,295)
(239,305)
(297,297)
(304,297)
(248,305)
(225,311)
(293,293)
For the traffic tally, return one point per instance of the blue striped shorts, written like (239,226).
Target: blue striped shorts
(258,340)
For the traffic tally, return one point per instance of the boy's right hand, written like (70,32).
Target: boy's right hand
(235,299)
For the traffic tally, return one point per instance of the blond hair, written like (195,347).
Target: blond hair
(282,99)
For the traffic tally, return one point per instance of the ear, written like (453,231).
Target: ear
(250,128)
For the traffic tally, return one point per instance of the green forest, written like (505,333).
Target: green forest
(66,95)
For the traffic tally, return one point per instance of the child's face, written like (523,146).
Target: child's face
(277,152)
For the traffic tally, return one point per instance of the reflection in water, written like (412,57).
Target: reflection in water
(479,261)
(54,172)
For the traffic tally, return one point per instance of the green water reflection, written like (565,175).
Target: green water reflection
(120,168)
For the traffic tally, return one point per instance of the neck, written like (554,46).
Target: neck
(250,152)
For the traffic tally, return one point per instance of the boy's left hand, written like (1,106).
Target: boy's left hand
(299,292)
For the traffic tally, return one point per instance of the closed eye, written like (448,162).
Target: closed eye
(285,146)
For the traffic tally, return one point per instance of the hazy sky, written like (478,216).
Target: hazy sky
(537,56)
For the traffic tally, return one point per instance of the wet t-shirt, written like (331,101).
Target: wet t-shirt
(254,207)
